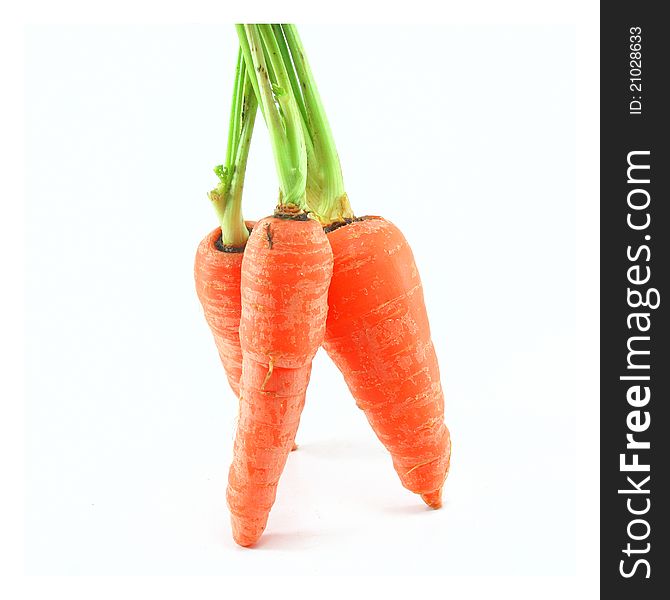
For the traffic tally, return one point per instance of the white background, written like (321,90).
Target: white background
(463,136)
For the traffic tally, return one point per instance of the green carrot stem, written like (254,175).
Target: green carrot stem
(313,181)
(290,69)
(272,85)
(227,196)
(234,230)
(233,125)
(326,192)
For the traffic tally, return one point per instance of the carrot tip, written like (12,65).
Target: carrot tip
(245,540)
(245,533)
(433,499)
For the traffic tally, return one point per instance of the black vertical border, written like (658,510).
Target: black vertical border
(621,133)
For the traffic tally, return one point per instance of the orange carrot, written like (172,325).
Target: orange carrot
(286,270)
(377,331)
(218,270)
(378,335)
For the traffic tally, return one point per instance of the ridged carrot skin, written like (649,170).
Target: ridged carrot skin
(286,271)
(378,335)
(217,283)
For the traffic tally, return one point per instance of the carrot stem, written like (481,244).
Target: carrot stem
(226,198)
(272,86)
(312,159)
(234,123)
(290,70)
(326,193)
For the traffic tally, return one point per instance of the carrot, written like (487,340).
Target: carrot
(218,262)
(218,272)
(377,331)
(378,335)
(286,271)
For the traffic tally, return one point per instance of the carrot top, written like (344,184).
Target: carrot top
(273,87)
(326,195)
(306,159)
(227,196)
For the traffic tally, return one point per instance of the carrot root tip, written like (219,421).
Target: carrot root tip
(245,543)
(433,499)
(246,539)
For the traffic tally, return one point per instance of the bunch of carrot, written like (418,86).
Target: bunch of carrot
(311,275)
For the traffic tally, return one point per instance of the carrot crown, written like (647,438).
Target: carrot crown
(227,196)
(272,84)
